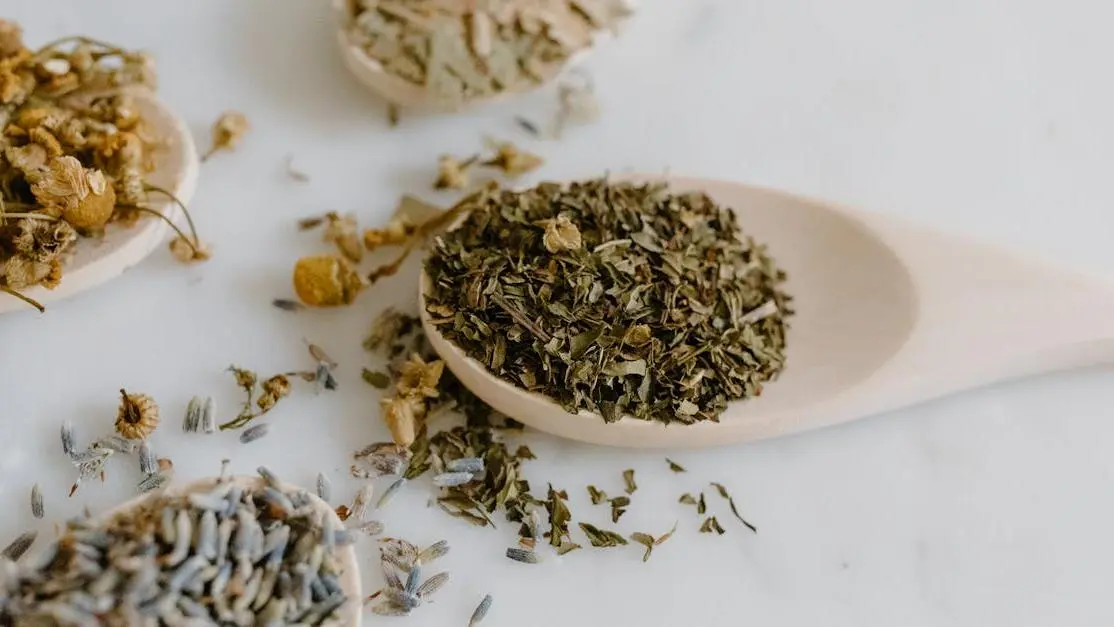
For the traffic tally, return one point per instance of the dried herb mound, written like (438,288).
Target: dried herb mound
(617,298)
(462,51)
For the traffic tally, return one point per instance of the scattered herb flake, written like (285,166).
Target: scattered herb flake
(730,501)
(628,480)
(601,538)
(597,495)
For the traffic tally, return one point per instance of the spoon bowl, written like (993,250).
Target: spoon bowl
(97,261)
(351,613)
(888,314)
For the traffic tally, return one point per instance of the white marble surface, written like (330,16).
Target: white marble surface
(981,116)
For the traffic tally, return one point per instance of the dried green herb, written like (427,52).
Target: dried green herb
(730,501)
(524,452)
(701,505)
(618,507)
(628,481)
(650,542)
(711,525)
(559,517)
(380,380)
(601,538)
(687,499)
(674,466)
(617,298)
(597,495)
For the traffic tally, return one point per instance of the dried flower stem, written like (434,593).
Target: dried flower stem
(28,216)
(181,205)
(80,39)
(159,214)
(27,299)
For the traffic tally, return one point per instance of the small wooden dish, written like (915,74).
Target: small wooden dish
(97,261)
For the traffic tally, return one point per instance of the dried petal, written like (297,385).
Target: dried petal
(418,378)
(561,234)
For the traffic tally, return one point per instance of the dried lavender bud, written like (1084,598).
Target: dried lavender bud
(68,446)
(434,551)
(386,498)
(153,481)
(481,611)
(209,416)
(371,528)
(471,465)
(452,479)
(253,433)
(36,501)
(432,585)
(192,422)
(361,502)
(522,555)
(148,464)
(324,488)
(19,546)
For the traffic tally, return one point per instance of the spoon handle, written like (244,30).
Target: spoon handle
(986,315)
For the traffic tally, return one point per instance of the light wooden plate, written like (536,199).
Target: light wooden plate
(97,261)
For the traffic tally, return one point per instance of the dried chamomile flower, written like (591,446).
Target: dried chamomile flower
(419,379)
(84,196)
(137,417)
(11,39)
(398,231)
(227,131)
(21,272)
(29,160)
(186,251)
(43,240)
(277,386)
(513,161)
(326,281)
(561,234)
(451,173)
(402,415)
(343,231)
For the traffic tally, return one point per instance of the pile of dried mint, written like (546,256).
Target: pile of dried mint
(462,51)
(262,555)
(619,298)
(74,153)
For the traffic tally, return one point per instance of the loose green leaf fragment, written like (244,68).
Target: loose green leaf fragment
(597,495)
(674,466)
(710,525)
(379,380)
(602,538)
(618,507)
(649,542)
(628,479)
(559,516)
(730,501)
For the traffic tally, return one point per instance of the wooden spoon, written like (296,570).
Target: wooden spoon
(405,94)
(97,261)
(351,613)
(888,314)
